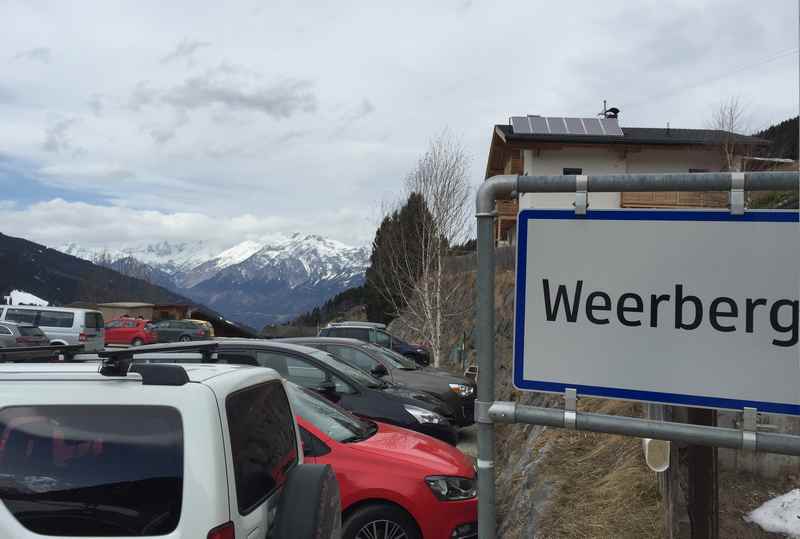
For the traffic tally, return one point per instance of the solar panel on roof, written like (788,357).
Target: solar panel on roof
(575,126)
(611,126)
(520,125)
(539,125)
(557,126)
(593,126)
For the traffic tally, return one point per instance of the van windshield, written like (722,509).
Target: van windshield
(82,471)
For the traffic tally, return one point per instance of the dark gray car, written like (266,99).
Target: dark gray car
(21,335)
(455,390)
(180,331)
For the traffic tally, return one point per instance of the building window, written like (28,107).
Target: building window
(572,171)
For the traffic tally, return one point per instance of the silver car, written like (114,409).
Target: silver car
(21,335)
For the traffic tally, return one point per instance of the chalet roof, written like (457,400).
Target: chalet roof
(635,135)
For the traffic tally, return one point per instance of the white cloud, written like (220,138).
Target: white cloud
(37,54)
(57,221)
(307,114)
(185,50)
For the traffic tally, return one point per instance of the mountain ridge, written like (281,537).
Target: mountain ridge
(256,281)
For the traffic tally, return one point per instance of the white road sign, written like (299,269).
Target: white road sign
(696,308)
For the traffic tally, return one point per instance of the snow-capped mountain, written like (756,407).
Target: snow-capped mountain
(256,282)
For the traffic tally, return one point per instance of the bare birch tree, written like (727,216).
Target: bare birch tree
(413,278)
(729,117)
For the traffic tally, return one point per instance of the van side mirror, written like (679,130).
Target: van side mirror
(380,370)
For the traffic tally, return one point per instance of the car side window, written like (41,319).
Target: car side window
(238,358)
(382,338)
(263,442)
(5,331)
(114,324)
(312,446)
(130,323)
(304,373)
(353,356)
(362,334)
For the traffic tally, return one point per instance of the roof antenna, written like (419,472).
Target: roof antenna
(612,112)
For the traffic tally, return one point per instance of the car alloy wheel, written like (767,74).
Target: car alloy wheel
(381,529)
(137,342)
(185,338)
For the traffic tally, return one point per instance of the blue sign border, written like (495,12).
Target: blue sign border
(620,393)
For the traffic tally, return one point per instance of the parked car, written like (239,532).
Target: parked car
(180,330)
(456,391)
(200,451)
(205,323)
(14,335)
(62,325)
(376,334)
(351,388)
(393,482)
(132,331)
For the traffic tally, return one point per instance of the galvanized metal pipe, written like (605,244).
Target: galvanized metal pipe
(511,412)
(705,181)
(502,186)
(485,351)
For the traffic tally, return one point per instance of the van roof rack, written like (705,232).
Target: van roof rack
(152,374)
(39,354)
(357,323)
(118,363)
(204,347)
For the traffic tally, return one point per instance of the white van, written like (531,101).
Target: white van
(62,325)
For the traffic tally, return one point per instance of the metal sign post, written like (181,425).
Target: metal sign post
(488,411)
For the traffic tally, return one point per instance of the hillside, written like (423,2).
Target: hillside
(784,138)
(60,278)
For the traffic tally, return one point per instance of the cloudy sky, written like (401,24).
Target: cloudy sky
(136,121)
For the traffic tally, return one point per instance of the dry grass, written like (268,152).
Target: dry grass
(603,487)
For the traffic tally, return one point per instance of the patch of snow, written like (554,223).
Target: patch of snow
(20,297)
(238,253)
(779,515)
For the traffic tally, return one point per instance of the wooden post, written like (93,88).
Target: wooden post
(703,481)
(690,486)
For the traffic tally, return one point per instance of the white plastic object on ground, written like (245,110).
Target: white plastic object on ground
(779,515)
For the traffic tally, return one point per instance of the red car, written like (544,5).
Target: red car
(394,483)
(132,331)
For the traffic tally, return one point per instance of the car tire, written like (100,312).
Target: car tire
(137,342)
(310,506)
(380,520)
(185,338)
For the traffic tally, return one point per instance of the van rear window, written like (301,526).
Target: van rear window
(94,321)
(92,470)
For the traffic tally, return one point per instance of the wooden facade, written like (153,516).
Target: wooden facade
(675,199)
